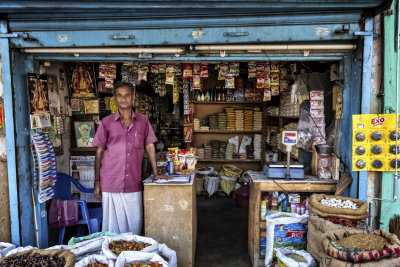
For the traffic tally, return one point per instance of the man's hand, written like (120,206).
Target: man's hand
(97,190)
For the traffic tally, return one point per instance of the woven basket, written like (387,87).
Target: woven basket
(231,171)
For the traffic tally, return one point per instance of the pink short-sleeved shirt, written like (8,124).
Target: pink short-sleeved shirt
(121,164)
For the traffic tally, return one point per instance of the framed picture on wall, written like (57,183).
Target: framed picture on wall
(84,133)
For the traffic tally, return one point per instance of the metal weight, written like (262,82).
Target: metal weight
(360,137)
(377,164)
(361,164)
(376,136)
(360,150)
(377,149)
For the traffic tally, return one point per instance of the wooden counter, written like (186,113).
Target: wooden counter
(170,217)
(257,187)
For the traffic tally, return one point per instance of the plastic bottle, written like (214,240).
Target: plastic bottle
(263,209)
(207,97)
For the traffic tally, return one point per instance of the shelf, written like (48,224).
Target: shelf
(230,160)
(83,149)
(283,117)
(227,102)
(225,132)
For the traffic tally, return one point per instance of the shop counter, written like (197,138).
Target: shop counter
(257,187)
(170,216)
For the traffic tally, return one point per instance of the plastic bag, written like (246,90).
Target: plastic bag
(94,259)
(18,250)
(282,252)
(235,142)
(6,248)
(285,230)
(212,182)
(88,247)
(75,240)
(228,184)
(137,257)
(304,133)
(245,142)
(128,237)
(168,253)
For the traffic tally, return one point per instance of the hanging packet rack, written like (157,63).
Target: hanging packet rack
(45,164)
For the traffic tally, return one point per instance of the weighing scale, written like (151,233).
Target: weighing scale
(286,170)
(289,139)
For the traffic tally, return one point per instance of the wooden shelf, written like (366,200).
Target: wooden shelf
(230,160)
(226,132)
(83,149)
(283,117)
(227,102)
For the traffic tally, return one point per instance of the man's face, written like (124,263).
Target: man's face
(84,131)
(124,97)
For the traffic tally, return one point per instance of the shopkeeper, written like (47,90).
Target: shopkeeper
(121,140)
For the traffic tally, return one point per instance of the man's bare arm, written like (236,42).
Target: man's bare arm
(97,188)
(151,152)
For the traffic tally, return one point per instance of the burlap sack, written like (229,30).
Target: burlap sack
(67,255)
(318,228)
(333,249)
(324,211)
(328,261)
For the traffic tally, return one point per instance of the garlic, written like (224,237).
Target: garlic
(338,203)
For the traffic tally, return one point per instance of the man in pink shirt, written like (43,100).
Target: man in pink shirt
(121,140)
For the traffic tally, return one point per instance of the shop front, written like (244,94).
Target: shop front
(228,81)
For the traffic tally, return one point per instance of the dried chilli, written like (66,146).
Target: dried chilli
(96,265)
(150,264)
(118,246)
(34,260)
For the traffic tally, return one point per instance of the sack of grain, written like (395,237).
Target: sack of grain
(388,257)
(355,246)
(47,257)
(317,229)
(5,248)
(285,230)
(324,211)
(292,257)
(126,258)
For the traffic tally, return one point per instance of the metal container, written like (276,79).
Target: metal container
(323,149)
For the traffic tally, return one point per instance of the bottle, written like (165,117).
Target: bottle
(202,97)
(207,97)
(263,209)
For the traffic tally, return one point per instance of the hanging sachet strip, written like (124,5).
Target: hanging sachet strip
(47,165)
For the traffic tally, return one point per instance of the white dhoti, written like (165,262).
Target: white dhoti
(122,212)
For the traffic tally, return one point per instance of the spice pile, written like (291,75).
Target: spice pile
(364,242)
(96,265)
(118,246)
(338,203)
(34,260)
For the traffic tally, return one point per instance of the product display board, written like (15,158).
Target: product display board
(45,162)
(374,142)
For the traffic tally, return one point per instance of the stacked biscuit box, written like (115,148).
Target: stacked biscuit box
(317,115)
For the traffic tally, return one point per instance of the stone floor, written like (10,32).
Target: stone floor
(221,233)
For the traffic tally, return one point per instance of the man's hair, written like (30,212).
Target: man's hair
(122,84)
(84,124)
